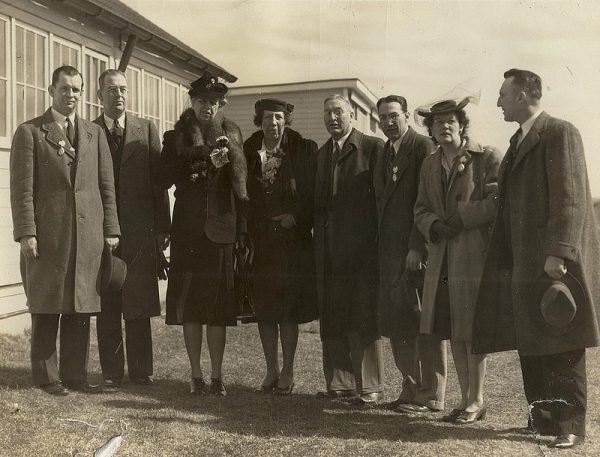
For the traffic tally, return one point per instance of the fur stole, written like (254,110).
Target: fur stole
(194,143)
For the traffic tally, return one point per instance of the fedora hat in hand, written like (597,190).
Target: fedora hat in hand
(113,272)
(559,301)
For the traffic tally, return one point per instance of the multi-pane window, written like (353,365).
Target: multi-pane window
(4,101)
(134,79)
(171,105)
(30,72)
(152,98)
(64,53)
(93,66)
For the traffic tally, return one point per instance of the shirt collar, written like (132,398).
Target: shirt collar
(342,140)
(109,121)
(396,144)
(61,119)
(526,126)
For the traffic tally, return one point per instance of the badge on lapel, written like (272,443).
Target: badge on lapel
(394,171)
(61,150)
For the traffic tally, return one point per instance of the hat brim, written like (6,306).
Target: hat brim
(428,113)
(217,90)
(551,322)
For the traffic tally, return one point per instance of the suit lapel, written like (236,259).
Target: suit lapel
(352,143)
(531,140)
(56,136)
(132,133)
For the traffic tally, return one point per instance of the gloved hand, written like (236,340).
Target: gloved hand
(440,230)
(455,222)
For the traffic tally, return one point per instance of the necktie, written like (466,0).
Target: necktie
(117,132)
(70,132)
(336,155)
(512,151)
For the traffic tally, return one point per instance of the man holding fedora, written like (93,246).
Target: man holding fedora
(143,209)
(540,286)
(64,213)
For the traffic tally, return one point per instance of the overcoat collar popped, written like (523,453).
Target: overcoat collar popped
(352,144)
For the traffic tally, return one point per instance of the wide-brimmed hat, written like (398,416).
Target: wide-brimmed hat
(443,107)
(273,104)
(208,86)
(560,299)
(113,272)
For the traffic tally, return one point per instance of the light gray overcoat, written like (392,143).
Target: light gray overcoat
(69,205)
(472,194)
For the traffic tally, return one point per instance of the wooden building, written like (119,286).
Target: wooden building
(37,36)
(307,98)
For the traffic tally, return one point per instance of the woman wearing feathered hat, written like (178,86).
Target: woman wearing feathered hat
(281,177)
(203,158)
(455,207)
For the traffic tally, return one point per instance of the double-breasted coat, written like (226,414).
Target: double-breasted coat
(345,236)
(67,201)
(545,209)
(397,233)
(472,193)
(143,209)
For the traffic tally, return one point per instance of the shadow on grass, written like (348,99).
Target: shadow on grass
(15,377)
(246,413)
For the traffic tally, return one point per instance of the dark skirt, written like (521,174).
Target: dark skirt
(442,324)
(282,280)
(201,286)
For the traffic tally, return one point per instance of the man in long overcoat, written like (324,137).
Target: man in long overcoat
(346,256)
(420,359)
(144,217)
(545,230)
(64,212)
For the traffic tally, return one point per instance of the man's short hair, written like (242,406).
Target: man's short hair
(339,98)
(394,99)
(67,70)
(109,72)
(527,81)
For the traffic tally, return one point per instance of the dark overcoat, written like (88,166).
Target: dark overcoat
(472,194)
(144,211)
(68,203)
(296,283)
(397,234)
(345,238)
(206,208)
(545,209)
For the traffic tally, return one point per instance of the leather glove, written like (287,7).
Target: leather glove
(455,222)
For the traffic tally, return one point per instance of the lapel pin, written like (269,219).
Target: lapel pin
(394,177)
(395,168)
(61,150)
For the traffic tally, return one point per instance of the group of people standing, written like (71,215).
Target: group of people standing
(418,239)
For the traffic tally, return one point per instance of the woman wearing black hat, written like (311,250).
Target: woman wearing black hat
(203,158)
(281,176)
(454,210)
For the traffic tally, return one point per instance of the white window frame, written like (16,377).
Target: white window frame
(8,113)
(92,92)
(178,110)
(14,25)
(144,100)
(68,44)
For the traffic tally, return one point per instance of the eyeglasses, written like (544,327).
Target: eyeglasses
(116,89)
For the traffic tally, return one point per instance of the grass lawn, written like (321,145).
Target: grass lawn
(163,420)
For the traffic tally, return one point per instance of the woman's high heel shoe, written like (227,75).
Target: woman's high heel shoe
(268,389)
(284,390)
(471,417)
